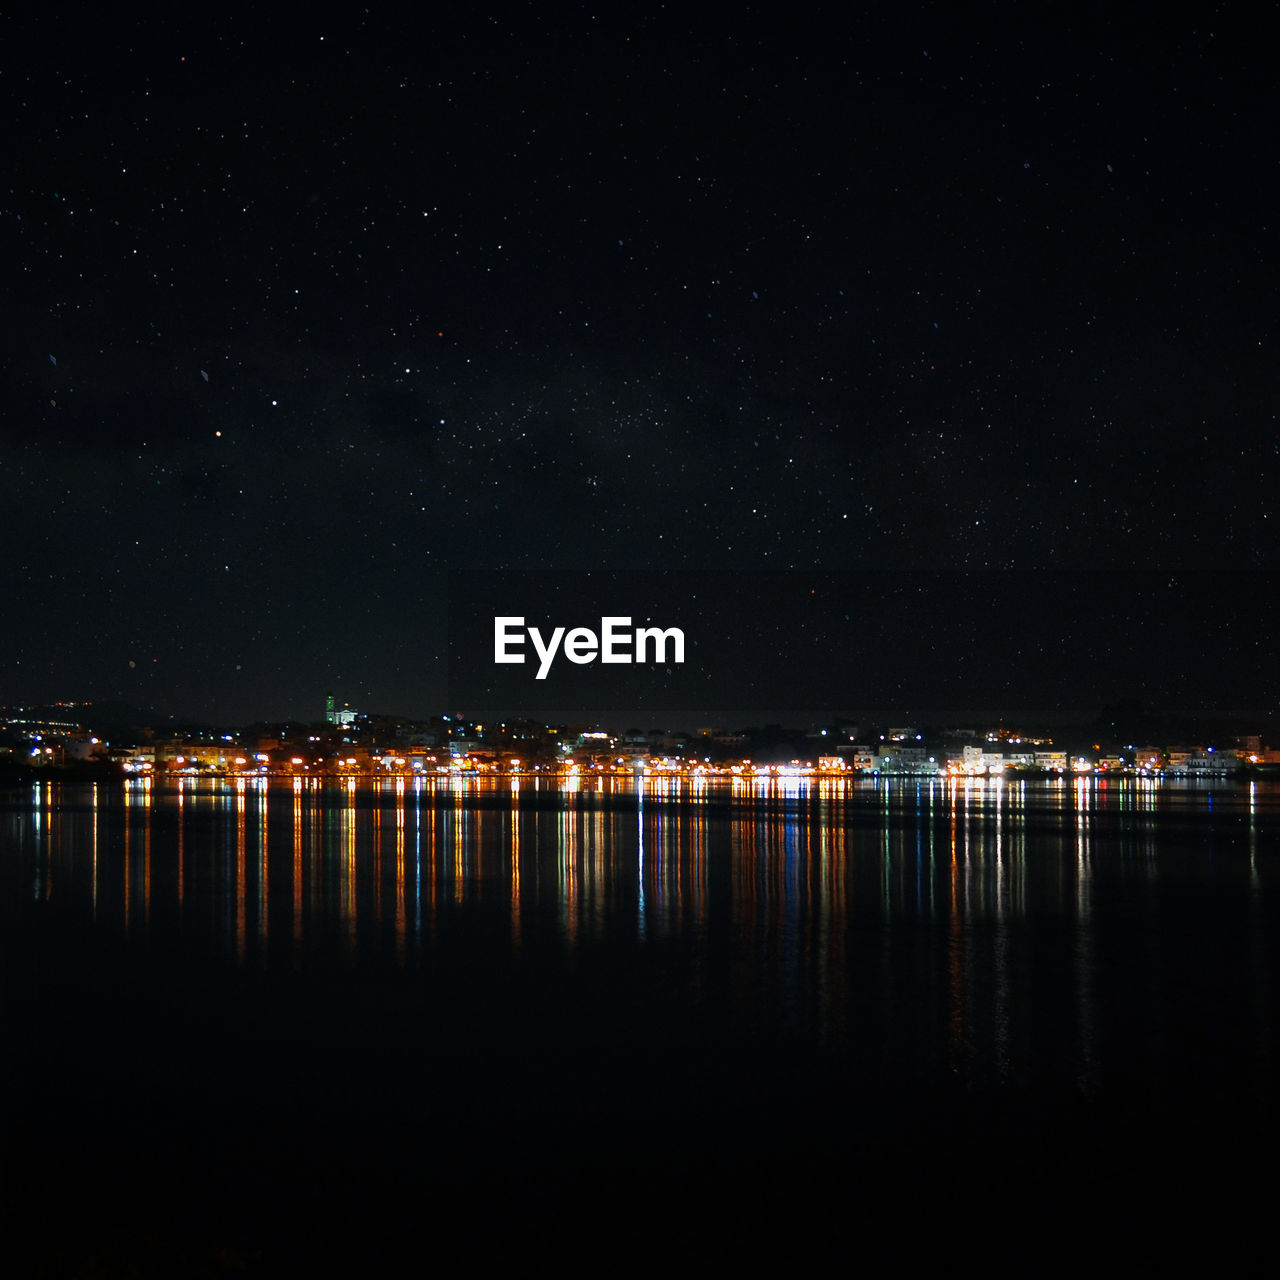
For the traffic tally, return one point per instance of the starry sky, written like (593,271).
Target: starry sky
(306,318)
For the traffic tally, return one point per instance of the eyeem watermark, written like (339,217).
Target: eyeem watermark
(582,645)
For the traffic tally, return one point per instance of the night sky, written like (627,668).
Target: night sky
(303,316)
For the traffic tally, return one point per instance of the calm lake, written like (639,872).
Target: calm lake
(261,1025)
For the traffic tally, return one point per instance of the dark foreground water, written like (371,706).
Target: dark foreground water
(259,1027)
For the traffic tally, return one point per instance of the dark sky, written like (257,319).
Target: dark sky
(303,314)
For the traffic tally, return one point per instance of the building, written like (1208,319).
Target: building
(332,715)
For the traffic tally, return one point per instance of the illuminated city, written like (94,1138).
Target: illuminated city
(638,638)
(351,744)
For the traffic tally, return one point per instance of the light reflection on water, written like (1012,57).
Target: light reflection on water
(996,926)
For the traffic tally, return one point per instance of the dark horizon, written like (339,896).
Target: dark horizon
(1050,645)
(1113,721)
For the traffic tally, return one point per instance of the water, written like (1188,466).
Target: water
(274,1022)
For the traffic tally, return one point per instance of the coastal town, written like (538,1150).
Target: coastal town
(84,738)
